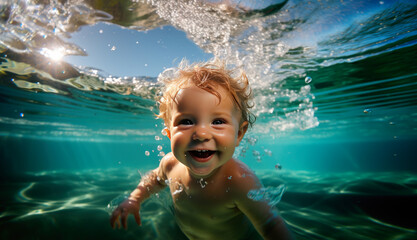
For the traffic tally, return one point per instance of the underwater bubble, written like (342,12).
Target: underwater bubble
(147,153)
(164,132)
(256,153)
(113,48)
(157,138)
(268,152)
(161,154)
(159,147)
(308,80)
(272,195)
(252,140)
(22,114)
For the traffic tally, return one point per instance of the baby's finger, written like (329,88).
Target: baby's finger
(118,224)
(137,218)
(114,217)
(124,216)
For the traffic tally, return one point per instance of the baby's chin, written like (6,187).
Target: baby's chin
(198,171)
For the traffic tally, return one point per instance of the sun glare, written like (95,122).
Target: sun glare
(55,54)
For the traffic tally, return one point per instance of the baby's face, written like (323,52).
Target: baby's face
(203,131)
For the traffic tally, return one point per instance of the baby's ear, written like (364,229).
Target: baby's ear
(242,130)
(168,133)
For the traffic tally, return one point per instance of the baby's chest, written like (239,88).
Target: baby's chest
(202,197)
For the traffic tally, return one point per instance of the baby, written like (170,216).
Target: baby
(206,113)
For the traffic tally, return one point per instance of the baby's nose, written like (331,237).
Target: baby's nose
(201,133)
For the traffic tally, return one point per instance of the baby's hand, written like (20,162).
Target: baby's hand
(123,210)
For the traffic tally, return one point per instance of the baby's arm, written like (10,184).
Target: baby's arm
(151,183)
(264,217)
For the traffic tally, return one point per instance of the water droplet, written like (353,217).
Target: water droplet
(203,183)
(308,79)
(179,189)
(147,153)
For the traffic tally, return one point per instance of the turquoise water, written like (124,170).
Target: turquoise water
(335,92)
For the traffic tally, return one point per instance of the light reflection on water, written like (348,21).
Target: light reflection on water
(315,205)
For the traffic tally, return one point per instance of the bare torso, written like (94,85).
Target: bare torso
(206,208)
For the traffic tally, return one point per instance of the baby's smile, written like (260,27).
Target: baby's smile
(201,155)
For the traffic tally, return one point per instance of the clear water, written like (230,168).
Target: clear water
(335,92)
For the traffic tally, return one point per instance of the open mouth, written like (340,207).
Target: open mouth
(201,155)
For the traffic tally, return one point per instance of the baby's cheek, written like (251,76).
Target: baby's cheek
(178,146)
(228,139)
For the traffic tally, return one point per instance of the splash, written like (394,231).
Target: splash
(272,195)
(282,45)
(114,203)
(254,44)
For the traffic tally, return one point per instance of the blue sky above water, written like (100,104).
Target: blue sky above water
(123,52)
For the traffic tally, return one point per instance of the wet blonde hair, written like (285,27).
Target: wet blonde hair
(207,76)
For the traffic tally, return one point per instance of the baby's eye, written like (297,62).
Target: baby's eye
(185,122)
(218,122)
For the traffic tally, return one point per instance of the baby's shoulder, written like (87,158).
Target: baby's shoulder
(168,162)
(242,176)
